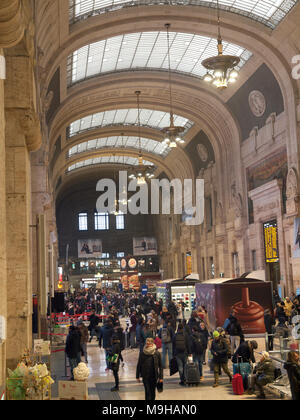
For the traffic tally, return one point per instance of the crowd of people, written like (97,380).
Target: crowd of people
(148,326)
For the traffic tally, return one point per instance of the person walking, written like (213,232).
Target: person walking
(115,355)
(132,329)
(105,334)
(83,339)
(166,334)
(269,324)
(219,351)
(93,327)
(181,351)
(234,329)
(204,331)
(150,368)
(73,348)
(198,349)
(292,367)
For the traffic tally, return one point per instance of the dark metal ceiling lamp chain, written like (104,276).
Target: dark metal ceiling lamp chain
(221,68)
(172,133)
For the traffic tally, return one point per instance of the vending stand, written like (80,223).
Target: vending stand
(177,290)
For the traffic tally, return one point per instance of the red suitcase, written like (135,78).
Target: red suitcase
(237,384)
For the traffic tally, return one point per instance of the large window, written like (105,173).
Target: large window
(83,221)
(101,221)
(120,221)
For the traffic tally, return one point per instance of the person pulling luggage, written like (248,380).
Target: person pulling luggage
(219,351)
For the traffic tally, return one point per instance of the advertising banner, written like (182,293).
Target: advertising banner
(89,248)
(249,299)
(144,246)
(297,238)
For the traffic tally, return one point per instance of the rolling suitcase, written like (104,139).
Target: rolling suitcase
(192,375)
(237,384)
(243,369)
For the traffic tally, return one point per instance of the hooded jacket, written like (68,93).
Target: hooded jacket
(73,347)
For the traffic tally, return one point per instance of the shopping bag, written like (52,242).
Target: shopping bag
(173,366)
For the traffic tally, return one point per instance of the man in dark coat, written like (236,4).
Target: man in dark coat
(219,351)
(269,324)
(105,334)
(235,331)
(93,327)
(181,350)
(73,348)
(149,367)
(245,352)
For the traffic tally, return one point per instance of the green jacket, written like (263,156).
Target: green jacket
(265,371)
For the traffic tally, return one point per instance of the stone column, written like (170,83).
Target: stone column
(3,308)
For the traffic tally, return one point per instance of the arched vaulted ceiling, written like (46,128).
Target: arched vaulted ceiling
(112,48)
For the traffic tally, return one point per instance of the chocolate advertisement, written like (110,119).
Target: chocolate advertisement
(249,299)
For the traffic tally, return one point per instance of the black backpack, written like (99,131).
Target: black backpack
(180,343)
(198,344)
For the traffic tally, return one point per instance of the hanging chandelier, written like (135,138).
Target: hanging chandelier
(141,172)
(221,68)
(172,133)
(124,201)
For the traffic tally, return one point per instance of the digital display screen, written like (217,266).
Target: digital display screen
(271,242)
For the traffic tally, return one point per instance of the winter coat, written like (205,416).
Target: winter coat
(219,351)
(243,354)
(105,334)
(149,366)
(115,349)
(293,371)
(265,371)
(269,323)
(133,320)
(194,323)
(84,334)
(205,335)
(181,336)
(73,347)
(94,321)
(234,328)
(194,337)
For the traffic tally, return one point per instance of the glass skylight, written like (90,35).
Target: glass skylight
(268,12)
(126,160)
(148,117)
(128,142)
(148,50)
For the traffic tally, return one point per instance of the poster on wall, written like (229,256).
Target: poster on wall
(297,238)
(89,248)
(144,246)
(271,242)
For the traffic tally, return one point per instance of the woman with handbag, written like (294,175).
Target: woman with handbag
(149,367)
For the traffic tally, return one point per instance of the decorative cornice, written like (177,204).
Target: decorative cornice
(11,23)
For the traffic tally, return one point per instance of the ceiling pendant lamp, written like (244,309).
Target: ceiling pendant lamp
(173,134)
(221,68)
(141,172)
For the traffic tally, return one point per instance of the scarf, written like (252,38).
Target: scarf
(150,351)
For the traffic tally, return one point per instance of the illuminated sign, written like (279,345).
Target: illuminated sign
(271,242)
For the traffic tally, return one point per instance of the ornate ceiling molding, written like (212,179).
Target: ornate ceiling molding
(12,24)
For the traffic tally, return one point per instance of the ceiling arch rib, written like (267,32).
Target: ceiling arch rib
(108,160)
(267,12)
(148,118)
(126,142)
(147,50)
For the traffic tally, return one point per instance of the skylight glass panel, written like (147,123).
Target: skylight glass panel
(149,118)
(147,50)
(108,160)
(268,12)
(127,142)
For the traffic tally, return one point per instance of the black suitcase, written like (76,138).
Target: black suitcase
(192,375)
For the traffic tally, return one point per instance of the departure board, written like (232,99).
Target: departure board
(271,242)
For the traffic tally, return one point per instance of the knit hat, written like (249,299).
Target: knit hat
(216,334)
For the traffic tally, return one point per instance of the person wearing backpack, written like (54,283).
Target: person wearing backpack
(234,329)
(181,350)
(198,349)
(166,335)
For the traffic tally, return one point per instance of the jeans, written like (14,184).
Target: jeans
(235,342)
(84,351)
(199,358)
(150,388)
(181,362)
(166,348)
(74,363)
